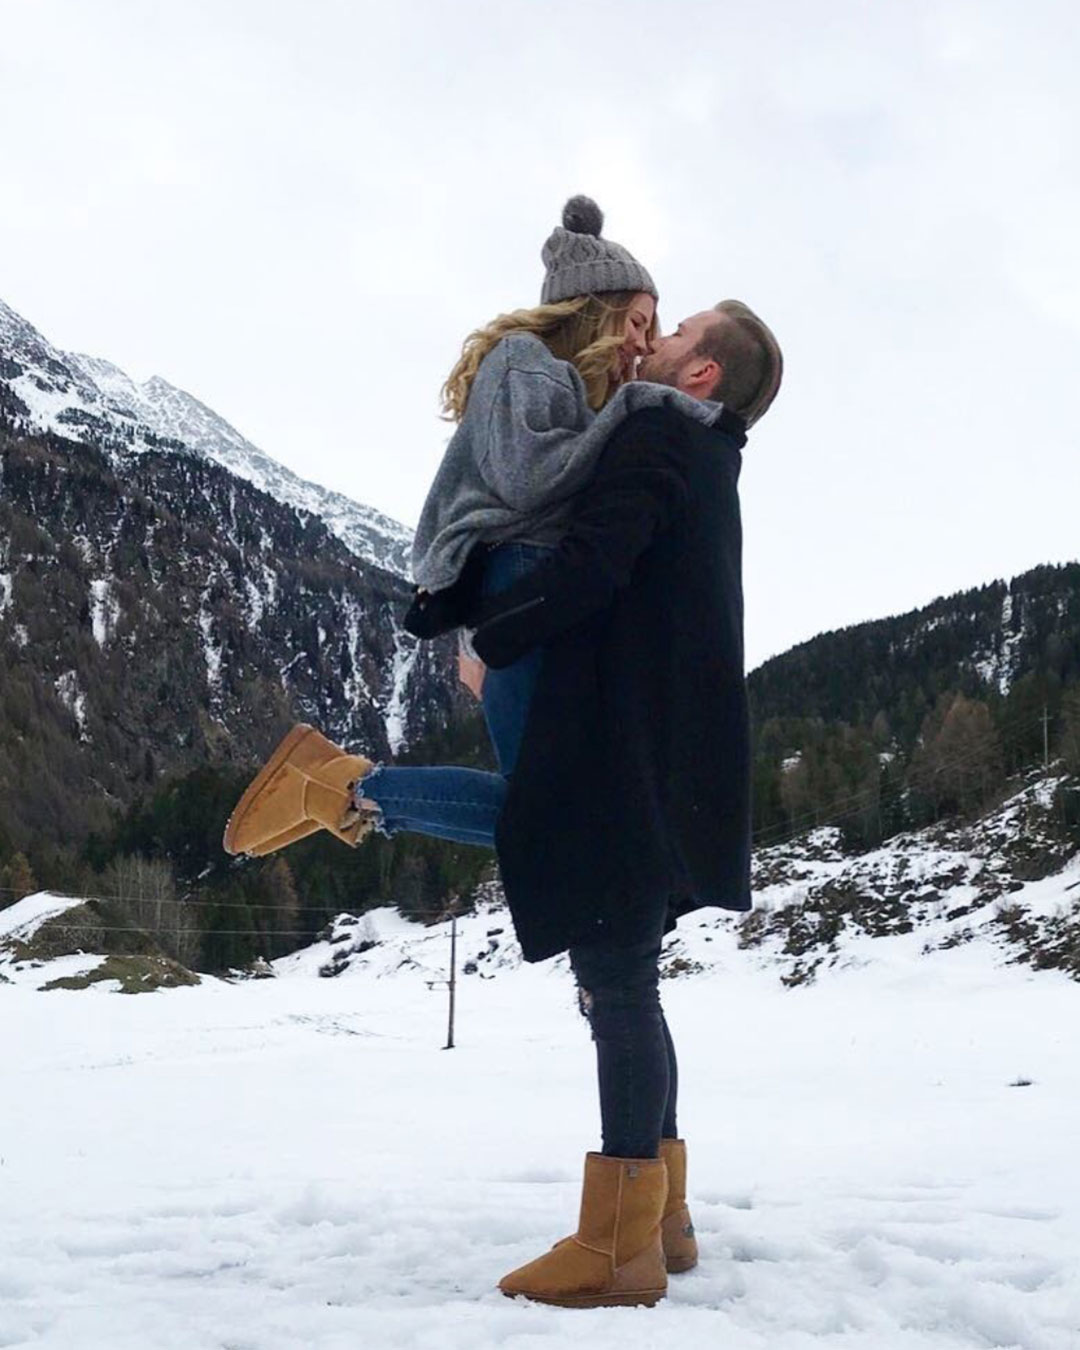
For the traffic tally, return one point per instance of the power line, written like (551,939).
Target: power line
(166,930)
(197,905)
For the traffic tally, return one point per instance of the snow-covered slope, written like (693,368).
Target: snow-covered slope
(1007,885)
(88,398)
(19,924)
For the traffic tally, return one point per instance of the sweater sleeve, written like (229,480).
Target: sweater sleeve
(638,490)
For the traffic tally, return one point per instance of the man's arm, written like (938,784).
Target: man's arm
(540,439)
(638,490)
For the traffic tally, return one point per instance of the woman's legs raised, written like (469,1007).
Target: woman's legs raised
(460,804)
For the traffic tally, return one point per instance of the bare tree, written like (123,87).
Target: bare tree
(145,891)
(959,759)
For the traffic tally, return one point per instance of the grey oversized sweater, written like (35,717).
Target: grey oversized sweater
(527,443)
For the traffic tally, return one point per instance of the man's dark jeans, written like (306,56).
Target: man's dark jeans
(635,1056)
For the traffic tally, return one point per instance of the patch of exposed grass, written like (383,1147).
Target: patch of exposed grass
(136,975)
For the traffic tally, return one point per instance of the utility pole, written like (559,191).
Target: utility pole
(1046,736)
(452,982)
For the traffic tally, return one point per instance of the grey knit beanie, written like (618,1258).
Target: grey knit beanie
(578,262)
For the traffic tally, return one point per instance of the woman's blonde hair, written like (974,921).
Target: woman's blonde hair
(587,331)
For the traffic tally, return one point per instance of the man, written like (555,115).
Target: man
(629,802)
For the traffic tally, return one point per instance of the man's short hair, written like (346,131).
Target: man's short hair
(751,363)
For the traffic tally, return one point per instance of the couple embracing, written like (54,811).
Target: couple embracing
(583,536)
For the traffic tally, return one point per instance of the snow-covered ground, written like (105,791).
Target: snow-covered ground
(297,1163)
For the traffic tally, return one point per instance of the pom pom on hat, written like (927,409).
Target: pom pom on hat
(581,215)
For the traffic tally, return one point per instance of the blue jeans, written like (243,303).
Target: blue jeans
(460,804)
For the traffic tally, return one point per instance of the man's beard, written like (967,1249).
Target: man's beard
(658,371)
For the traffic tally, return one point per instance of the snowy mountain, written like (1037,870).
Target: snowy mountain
(162,614)
(90,399)
(983,642)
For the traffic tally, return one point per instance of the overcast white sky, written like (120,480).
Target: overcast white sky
(296,210)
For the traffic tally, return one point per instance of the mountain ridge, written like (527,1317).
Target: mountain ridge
(82,396)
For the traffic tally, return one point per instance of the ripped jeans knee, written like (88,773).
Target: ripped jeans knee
(366,804)
(618,994)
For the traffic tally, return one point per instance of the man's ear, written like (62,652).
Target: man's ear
(703,375)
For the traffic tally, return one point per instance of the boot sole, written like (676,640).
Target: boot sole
(299,733)
(635,1298)
(280,841)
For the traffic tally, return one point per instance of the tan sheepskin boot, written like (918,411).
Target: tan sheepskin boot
(676,1228)
(305,785)
(615,1257)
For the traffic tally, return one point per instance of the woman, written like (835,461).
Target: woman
(536,395)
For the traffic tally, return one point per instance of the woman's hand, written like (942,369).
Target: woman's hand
(471,672)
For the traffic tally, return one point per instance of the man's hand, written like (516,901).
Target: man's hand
(471,672)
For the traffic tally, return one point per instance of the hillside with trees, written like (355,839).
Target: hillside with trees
(896,723)
(162,622)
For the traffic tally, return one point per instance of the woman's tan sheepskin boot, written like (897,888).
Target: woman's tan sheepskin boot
(305,785)
(615,1257)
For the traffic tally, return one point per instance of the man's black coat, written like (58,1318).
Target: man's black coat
(631,793)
